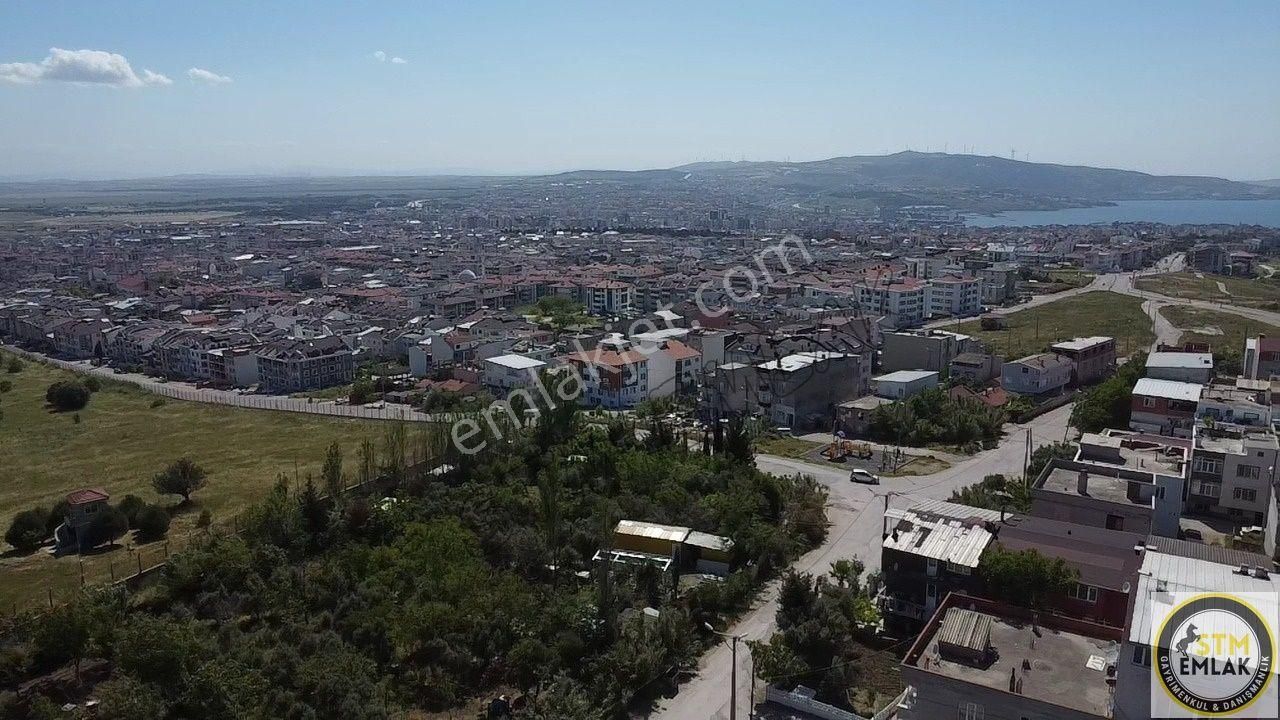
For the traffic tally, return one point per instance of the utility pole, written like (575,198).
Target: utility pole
(733,669)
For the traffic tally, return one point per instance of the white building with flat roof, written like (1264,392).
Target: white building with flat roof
(508,372)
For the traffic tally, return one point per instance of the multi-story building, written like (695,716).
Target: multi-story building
(294,365)
(901,302)
(1164,407)
(903,384)
(999,282)
(510,372)
(799,390)
(1233,470)
(1092,358)
(608,297)
(1172,566)
(954,296)
(1261,359)
(978,659)
(614,375)
(1043,374)
(929,550)
(922,349)
(1132,483)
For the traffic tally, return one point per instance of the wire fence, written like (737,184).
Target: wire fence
(231,398)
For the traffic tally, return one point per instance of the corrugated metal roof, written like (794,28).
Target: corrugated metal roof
(966,629)
(709,541)
(1162,574)
(940,538)
(671,533)
(1170,389)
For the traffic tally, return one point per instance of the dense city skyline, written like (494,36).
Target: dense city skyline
(147,89)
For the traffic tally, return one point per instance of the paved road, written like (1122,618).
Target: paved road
(856,514)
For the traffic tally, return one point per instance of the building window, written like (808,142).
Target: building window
(1087,593)
(1246,494)
(1115,522)
(1248,471)
(1148,402)
(972,711)
(1142,655)
(1210,465)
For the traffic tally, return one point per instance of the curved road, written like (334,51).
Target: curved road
(856,514)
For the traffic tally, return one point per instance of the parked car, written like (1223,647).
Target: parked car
(862,476)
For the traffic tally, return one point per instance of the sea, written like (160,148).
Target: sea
(1170,212)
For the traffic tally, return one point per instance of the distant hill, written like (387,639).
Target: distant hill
(859,184)
(917,171)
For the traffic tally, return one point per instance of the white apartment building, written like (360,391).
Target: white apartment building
(954,296)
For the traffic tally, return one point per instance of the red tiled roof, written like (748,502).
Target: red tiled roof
(87,495)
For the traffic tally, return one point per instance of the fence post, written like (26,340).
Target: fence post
(139,562)
(49,591)
(112,565)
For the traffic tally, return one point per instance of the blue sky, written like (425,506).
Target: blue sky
(1165,87)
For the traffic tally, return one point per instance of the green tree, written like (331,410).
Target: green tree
(67,395)
(1024,577)
(331,473)
(14,365)
(63,634)
(368,462)
(131,505)
(160,650)
(107,526)
(124,698)
(1041,456)
(182,477)
(151,522)
(28,529)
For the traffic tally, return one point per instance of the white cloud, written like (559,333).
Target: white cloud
(380,56)
(207,76)
(86,67)
(398,61)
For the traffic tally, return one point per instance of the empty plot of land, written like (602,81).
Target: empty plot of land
(1257,292)
(1223,330)
(121,439)
(1093,313)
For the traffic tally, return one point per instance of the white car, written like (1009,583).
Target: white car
(862,476)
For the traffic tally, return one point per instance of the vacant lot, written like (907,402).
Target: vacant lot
(1225,331)
(1247,292)
(125,436)
(1093,313)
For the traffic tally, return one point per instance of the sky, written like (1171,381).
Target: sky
(133,88)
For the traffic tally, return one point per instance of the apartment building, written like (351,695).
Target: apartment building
(922,349)
(799,390)
(293,365)
(510,372)
(613,374)
(1093,359)
(999,282)
(1261,359)
(1233,470)
(901,302)
(954,296)
(608,297)
(1189,367)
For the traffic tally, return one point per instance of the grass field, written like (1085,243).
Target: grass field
(121,440)
(1093,313)
(1223,330)
(1247,292)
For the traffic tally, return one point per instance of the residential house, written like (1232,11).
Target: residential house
(1185,367)
(904,383)
(1043,374)
(1093,359)
(979,659)
(975,368)
(1164,407)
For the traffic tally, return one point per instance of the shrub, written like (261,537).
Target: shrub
(152,523)
(56,517)
(92,384)
(158,402)
(14,365)
(107,526)
(6,386)
(131,505)
(205,519)
(67,395)
(28,530)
